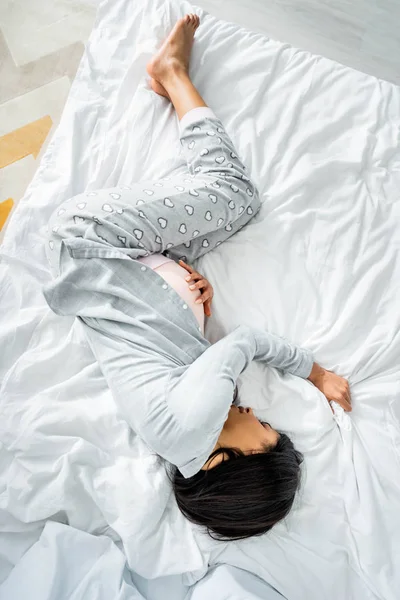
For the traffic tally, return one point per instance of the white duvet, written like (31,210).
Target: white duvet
(319,265)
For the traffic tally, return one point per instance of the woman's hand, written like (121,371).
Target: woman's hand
(333,386)
(198,282)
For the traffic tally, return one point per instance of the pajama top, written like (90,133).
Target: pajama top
(171,385)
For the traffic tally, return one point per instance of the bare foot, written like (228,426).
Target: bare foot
(174,54)
(158,88)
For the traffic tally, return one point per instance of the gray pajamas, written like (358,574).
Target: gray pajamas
(184,216)
(173,388)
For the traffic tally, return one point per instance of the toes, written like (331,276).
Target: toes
(192,20)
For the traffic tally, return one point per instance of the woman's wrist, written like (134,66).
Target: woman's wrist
(317,372)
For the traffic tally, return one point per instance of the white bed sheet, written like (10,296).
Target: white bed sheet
(319,264)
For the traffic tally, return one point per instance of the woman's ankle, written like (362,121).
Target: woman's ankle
(176,73)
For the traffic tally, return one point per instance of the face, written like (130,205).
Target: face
(244,431)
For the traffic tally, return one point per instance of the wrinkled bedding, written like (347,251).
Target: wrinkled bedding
(318,265)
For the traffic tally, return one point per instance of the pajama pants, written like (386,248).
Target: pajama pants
(182,217)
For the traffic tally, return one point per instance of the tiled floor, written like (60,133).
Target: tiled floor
(41,43)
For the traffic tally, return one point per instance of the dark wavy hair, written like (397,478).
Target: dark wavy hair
(245,494)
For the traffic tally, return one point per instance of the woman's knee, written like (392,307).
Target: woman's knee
(242,187)
(252,192)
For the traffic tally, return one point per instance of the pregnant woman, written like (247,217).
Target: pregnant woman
(114,254)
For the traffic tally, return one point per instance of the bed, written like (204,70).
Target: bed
(85,509)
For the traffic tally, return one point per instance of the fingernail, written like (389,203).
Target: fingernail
(187,278)
(198,301)
(192,287)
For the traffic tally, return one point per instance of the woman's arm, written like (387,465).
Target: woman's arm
(278,352)
(203,394)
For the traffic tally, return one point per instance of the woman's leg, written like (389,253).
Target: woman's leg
(186,216)
(169,68)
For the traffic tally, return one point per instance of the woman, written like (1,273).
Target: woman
(111,254)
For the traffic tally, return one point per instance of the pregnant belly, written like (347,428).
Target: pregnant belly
(175,275)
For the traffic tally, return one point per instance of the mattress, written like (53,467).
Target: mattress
(319,265)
